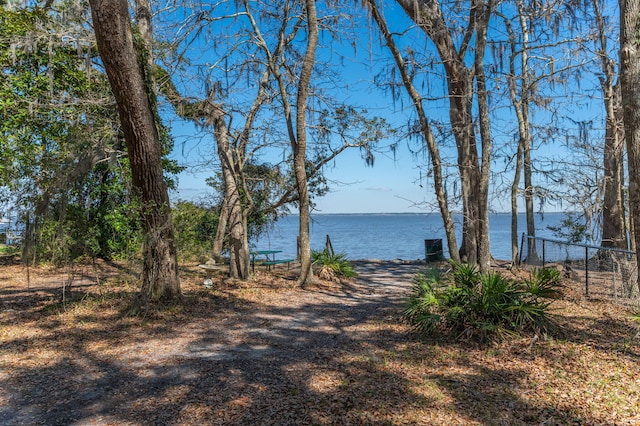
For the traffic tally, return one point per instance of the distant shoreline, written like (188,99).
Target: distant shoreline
(422,213)
(391,236)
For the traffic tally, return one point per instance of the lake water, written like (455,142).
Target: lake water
(391,236)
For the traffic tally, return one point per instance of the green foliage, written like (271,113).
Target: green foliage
(195,228)
(572,229)
(471,304)
(96,218)
(264,186)
(49,115)
(332,264)
(7,249)
(423,310)
(544,283)
(63,162)
(78,237)
(56,122)
(120,233)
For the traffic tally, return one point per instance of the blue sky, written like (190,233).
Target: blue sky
(385,188)
(395,183)
(389,186)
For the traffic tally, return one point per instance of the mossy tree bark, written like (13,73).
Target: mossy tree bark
(121,60)
(614,229)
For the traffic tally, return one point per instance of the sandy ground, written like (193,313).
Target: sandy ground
(250,345)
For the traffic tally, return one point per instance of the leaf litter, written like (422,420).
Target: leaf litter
(266,352)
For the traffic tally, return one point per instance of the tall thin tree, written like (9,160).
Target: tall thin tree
(430,18)
(520,92)
(425,127)
(614,229)
(299,144)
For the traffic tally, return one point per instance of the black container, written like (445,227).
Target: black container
(433,250)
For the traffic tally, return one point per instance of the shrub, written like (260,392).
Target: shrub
(477,305)
(332,265)
(195,228)
(8,249)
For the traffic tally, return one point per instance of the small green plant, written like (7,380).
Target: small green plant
(471,304)
(424,308)
(572,228)
(332,265)
(195,227)
(9,249)
(544,283)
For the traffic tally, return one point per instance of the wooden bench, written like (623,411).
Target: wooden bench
(270,263)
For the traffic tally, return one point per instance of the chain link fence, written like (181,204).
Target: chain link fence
(605,272)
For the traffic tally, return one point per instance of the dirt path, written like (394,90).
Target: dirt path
(242,356)
(265,352)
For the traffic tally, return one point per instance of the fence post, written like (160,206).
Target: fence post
(328,246)
(586,271)
(521,250)
(543,253)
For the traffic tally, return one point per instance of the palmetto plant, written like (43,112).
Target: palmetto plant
(332,265)
(471,304)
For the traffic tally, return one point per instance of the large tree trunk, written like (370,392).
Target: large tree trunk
(300,145)
(484,243)
(143,19)
(461,116)
(614,229)
(630,89)
(120,57)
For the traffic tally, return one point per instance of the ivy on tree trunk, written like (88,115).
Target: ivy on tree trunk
(121,60)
